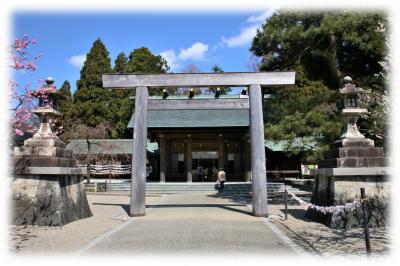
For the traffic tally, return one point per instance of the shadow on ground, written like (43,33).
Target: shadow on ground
(228,207)
(298,214)
(19,235)
(237,198)
(337,242)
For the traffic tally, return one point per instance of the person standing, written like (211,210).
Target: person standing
(221,179)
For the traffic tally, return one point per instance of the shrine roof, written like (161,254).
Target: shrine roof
(106,146)
(199,97)
(196,118)
(124,146)
(205,118)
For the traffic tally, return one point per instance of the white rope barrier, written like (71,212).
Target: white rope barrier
(109,169)
(347,207)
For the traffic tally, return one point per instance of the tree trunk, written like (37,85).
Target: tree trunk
(332,59)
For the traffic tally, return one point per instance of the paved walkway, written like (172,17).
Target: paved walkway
(192,224)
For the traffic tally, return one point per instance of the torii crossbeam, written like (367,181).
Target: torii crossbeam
(253,80)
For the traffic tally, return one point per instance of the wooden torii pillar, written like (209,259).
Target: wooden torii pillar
(253,80)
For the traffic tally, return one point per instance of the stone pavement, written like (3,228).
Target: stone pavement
(193,224)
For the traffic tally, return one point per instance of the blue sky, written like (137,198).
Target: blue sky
(202,39)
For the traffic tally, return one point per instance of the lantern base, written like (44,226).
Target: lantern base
(44,142)
(353,142)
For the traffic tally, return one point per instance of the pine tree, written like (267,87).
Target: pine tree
(328,45)
(217,69)
(322,48)
(120,63)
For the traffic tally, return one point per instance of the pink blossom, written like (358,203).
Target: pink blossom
(21,97)
(18,65)
(31,66)
(18,132)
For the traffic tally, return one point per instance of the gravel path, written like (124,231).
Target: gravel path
(108,213)
(318,239)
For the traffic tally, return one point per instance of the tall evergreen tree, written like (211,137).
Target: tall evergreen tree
(120,63)
(322,47)
(65,106)
(94,104)
(65,89)
(142,60)
(97,63)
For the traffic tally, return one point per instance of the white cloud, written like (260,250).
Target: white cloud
(261,18)
(196,52)
(245,36)
(171,58)
(248,32)
(77,60)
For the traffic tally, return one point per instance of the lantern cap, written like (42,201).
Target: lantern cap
(352,89)
(347,79)
(49,81)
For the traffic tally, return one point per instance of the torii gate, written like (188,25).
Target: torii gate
(253,80)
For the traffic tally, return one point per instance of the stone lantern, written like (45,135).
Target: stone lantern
(352,163)
(352,111)
(47,186)
(48,104)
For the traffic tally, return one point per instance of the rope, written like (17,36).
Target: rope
(347,207)
(110,169)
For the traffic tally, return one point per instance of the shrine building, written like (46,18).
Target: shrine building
(195,143)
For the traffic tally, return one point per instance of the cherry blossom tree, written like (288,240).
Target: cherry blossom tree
(21,96)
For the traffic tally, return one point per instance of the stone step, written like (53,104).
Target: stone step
(211,187)
(190,187)
(230,188)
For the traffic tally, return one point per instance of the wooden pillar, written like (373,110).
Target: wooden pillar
(258,169)
(247,160)
(221,156)
(167,156)
(189,177)
(163,158)
(138,185)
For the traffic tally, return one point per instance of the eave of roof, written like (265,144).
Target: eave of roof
(124,146)
(195,118)
(106,146)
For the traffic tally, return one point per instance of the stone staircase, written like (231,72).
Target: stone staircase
(169,188)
